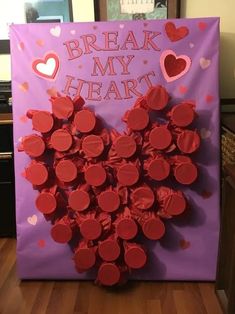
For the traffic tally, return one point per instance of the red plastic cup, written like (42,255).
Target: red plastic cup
(135,256)
(93,145)
(84,258)
(95,175)
(159,169)
(108,201)
(36,173)
(46,202)
(125,146)
(33,145)
(142,198)
(61,231)
(186,173)
(182,115)
(128,174)
(175,204)
(160,137)
(62,107)
(90,229)
(61,140)
(188,141)
(109,250)
(84,121)
(157,98)
(79,200)
(171,202)
(137,119)
(126,228)
(42,121)
(66,170)
(109,274)
(153,228)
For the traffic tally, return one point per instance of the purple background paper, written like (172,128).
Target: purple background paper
(200,225)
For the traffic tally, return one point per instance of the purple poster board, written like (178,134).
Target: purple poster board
(188,251)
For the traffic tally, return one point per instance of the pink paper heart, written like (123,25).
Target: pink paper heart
(55,31)
(205,133)
(73,32)
(47,67)
(173,67)
(202,26)
(183,89)
(209,98)
(32,220)
(205,63)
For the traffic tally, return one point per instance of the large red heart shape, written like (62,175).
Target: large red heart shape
(173,67)
(47,67)
(175,34)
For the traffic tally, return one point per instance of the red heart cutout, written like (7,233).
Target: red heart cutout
(175,34)
(202,26)
(184,244)
(47,67)
(173,66)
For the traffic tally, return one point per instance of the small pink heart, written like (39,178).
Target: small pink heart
(191,45)
(209,98)
(23,119)
(145,61)
(202,26)
(206,194)
(20,46)
(205,134)
(95,27)
(24,86)
(183,89)
(121,26)
(52,92)
(55,31)
(73,32)
(40,42)
(32,220)
(41,243)
(205,63)
(184,244)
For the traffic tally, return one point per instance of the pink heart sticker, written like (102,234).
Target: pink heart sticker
(32,220)
(205,63)
(173,67)
(47,67)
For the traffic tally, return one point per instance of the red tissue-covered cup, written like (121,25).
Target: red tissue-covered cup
(125,146)
(84,256)
(171,203)
(142,197)
(79,199)
(36,173)
(108,200)
(85,121)
(157,168)
(33,145)
(92,225)
(152,226)
(183,114)
(160,137)
(62,230)
(188,141)
(66,170)
(109,249)
(126,227)
(62,107)
(185,171)
(109,274)
(42,121)
(95,174)
(48,200)
(157,98)
(135,256)
(92,145)
(61,140)
(128,173)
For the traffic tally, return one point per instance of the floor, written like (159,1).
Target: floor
(62,297)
